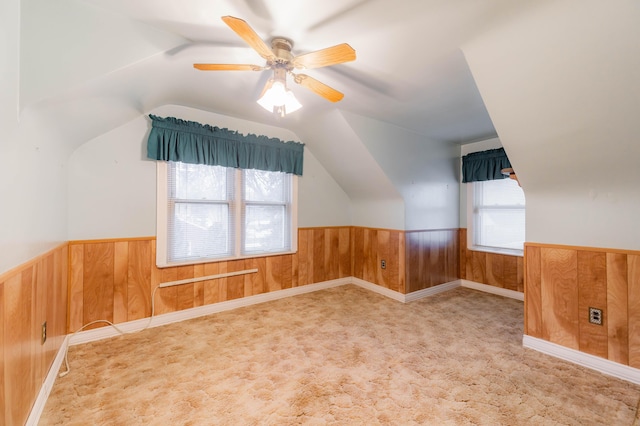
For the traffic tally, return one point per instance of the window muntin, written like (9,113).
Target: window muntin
(498,215)
(214,213)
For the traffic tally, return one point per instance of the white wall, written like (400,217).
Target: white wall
(321,201)
(112,185)
(493,143)
(33,175)
(378,213)
(561,86)
(424,172)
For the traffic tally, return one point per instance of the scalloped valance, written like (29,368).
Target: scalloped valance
(174,139)
(484,165)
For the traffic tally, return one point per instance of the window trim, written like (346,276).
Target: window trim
(471,229)
(162,170)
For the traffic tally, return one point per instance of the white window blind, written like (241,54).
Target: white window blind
(201,212)
(266,213)
(498,214)
(213,212)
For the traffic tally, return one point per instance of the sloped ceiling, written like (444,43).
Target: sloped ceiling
(563,89)
(92,65)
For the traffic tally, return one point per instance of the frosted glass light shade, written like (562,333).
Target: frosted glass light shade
(277,98)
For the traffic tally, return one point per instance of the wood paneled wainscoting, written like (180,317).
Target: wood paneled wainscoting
(432,258)
(498,270)
(563,282)
(30,294)
(370,247)
(114,279)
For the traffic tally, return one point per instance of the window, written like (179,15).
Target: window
(212,212)
(498,215)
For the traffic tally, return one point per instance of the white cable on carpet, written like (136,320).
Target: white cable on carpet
(66,348)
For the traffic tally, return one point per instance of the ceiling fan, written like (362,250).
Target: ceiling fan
(275,96)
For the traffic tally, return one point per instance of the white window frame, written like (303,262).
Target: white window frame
(471,224)
(162,188)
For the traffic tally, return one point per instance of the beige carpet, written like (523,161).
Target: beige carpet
(343,356)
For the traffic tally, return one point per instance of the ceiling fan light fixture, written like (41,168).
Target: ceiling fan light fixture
(278,99)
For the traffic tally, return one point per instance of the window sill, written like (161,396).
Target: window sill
(498,250)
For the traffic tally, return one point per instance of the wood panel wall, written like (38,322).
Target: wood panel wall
(432,258)
(369,247)
(564,281)
(30,294)
(498,270)
(114,279)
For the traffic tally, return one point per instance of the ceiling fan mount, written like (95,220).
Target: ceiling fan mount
(281,48)
(280,59)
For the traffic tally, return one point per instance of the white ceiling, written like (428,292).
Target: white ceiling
(107,61)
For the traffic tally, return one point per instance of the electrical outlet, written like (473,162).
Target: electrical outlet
(595,316)
(383,264)
(44,332)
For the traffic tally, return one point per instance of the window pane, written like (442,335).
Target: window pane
(501,192)
(199,230)
(499,214)
(501,228)
(199,182)
(265,186)
(265,229)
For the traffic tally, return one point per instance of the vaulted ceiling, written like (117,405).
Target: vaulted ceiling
(91,65)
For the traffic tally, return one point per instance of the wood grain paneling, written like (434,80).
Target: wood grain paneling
(30,294)
(344,252)
(617,305)
(98,280)
(318,258)
(479,267)
(533,293)
(198,287)
(116,278)
(495,269)
(212,287)
(185,298)
(358,252)
(76,287)
(139,264)
(572,279)
(121,281)
(303,257)
(431,257)
(633,274)
(592,292)
(560,297)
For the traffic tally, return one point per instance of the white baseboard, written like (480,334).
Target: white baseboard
(45,389)
(405,298)
(493,290)
(395,295)
(137,325)
(431,291)
(602,365)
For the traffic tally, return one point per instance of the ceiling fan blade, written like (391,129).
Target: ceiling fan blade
(325,57)
(249,36)
(227,67)
(317,87)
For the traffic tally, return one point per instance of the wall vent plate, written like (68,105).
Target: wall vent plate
(595,316)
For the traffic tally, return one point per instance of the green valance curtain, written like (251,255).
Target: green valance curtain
(484,165)
(173,139)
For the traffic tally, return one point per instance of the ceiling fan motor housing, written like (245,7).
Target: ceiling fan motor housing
(281,48)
